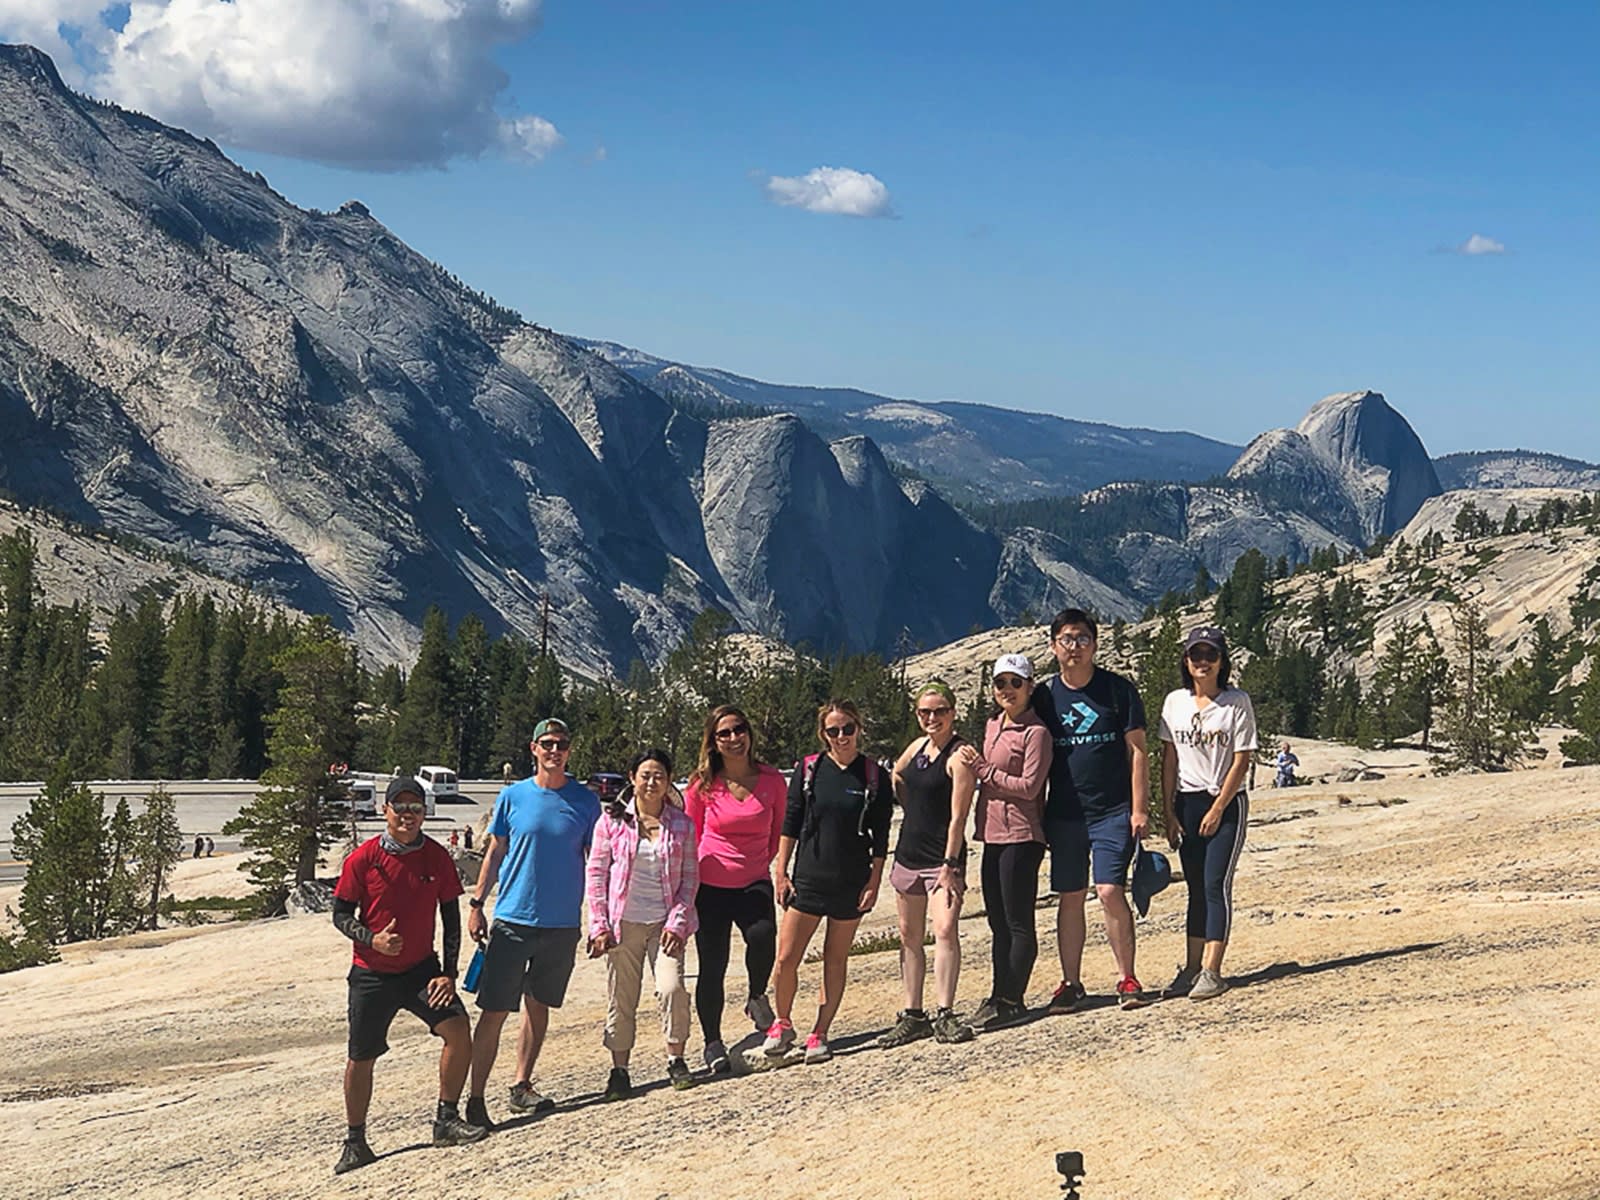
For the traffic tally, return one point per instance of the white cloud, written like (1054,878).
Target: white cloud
(1478,244)
(373,84)
(836,190)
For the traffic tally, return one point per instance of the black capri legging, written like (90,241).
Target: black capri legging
(1209,862)
(720,909)
(1010,886)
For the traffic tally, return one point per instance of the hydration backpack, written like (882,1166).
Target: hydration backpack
(808,788)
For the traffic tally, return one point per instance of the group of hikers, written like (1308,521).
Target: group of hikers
(1063,768)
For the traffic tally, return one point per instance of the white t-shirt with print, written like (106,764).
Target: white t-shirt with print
(1207,738)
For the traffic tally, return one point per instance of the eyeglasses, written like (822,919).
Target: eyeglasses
(847,730)
(1081,641)
(929,714)
(1010,683)
(732,731)
(1203,654)
(408,808)
(555,745)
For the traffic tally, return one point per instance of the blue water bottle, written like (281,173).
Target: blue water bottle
(474,969)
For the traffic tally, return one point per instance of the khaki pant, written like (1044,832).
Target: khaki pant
(625,977)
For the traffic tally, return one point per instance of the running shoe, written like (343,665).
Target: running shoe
(678,1073)
(1069,997)
(984,1013)
(355,1154)
(1130,994)
(525,1100)
(947,1027)
(780,1036)
(1006,1012)
(618,1085)
(759,1010)
(910,1025)
(717,1058)
(1207,986)
(817,1048)
(453,1131)
(1182,982)
(478,1115)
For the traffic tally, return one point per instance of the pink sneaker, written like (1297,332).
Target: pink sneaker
(817,1048)
(780,1036)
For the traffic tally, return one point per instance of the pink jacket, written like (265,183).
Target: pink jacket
(1016,756)
(610,872)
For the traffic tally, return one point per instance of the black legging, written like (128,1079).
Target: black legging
(1010,886)
(1209,862)
(752,910)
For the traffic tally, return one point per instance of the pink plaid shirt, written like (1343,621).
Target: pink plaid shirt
(610,872)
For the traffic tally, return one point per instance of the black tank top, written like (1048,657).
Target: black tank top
(926,823)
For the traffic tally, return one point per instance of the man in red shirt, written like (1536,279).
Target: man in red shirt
(384,903)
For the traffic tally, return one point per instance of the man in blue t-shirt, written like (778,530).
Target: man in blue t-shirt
(1098,805)
(538,843)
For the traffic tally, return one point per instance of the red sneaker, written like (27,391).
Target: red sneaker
(1130,994)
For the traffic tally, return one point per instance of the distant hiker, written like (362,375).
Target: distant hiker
(835,838)
(934,786)
(736,803)
(1286,763)
(505,772)
(538,841)
(1208,728)
(466,837)
(199,844)
(1099,801)
(384,903)
(211,847)
(642,876)
(455,841)
(1012,772)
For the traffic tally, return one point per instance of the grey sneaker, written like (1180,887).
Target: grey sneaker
(1068,998)
(910,1025)
(947,1027)
(1207,986)
(985,1012)
(678,1074)
(355,1154)
(759,1010)
(780,1036)
(524,1099)
(817,1048)
(453,1131)
(717,1058)
(1182,982)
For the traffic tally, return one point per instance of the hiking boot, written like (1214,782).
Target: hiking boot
(618,1085)
(355,1154)
(910,1025)
(1130,994)
(1068,998)
(1208,985)
(678,1073)
(478,1115)
(717,1058)
(759,1010)
(525,1100)
(947,1027)
(780,1036)
(1181,982)
(1006,1012)
(453,1131)
(817,1048)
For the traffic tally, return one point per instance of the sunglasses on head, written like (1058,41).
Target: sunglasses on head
(556,745)
(408,808)
(1011,683)
(848,729)
(732,731)
(1204,654)
(928,714)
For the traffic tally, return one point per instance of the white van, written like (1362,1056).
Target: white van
(438,784)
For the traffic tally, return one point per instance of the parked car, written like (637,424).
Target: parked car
(439,785)
(607,785)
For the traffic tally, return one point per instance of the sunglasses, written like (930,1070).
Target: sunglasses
(408,808)
(732,731)
(1010,683)
(1203,654)
(928,714)
(841,731)
(1081,641)
(555,745)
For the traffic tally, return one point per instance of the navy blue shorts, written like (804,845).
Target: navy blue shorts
(1107,840)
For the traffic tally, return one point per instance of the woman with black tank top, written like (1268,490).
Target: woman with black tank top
(935,788)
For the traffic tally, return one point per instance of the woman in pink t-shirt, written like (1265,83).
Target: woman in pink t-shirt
(736,804)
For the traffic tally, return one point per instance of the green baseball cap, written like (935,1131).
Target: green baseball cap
(550,725)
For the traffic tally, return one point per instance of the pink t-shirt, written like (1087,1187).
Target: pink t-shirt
(738,839)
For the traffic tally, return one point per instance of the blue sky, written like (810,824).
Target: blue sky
(1146,213)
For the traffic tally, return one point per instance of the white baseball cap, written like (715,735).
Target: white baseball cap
(1013,664)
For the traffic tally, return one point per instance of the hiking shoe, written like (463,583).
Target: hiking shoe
(780,1036)
(947,1027)
(817,1048)
(355,1154)
(453,1131)
(717,1058)
(678,1073)
(910,1025)
(1208,985)
(1006,1012)
(1069,997)
(478,1115)
(1130,994)
(618,1085)
(525,1100)
(759,1010)
(1181,982)
(984,1013)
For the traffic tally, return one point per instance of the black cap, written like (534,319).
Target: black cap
(1205,635)
(400,785)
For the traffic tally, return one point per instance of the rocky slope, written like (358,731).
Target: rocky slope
(1515,469)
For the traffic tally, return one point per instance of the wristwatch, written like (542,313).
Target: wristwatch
(474,902)
(958,865)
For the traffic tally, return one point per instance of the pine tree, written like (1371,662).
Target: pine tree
(158,845)
(185,733)
(473,709)
(1481,732)
(62,838)
(423,731)
(1583,746)
(1158,675)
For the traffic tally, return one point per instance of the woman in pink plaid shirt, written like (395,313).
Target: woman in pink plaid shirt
(641,884)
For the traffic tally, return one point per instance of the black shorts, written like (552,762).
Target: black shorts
(830,900)
(526,959)
(375,998)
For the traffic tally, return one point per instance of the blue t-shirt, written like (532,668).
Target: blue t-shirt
(541,876)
